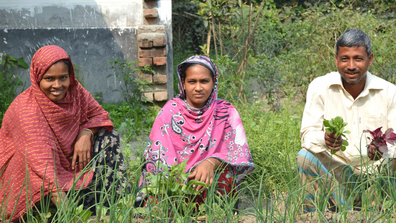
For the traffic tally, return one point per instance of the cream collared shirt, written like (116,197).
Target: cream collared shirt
(373,108)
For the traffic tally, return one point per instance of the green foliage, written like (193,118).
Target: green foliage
(337,125)
(132,86)
(171,181)
(293,43)
(188,29)
(8,81)
(273,139)
(131,120)
(232,25)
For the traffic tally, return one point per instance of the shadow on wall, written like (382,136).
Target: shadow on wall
(92,34)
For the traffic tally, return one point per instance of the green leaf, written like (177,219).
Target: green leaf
(347,132)
(338,119)
(22,63)
(85,216)
(195,182)
(48,215)
(174,187)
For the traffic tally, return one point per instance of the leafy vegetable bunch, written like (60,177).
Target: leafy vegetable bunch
(337,126)
(379,140)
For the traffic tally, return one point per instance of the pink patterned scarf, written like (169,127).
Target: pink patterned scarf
(182,132)
(37,138)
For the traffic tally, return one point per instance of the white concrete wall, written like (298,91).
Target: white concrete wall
(35,14)
(165,11)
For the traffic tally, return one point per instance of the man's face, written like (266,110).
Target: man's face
(352,64)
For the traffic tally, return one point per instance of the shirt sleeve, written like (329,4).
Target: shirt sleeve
(312,133)
(391,119)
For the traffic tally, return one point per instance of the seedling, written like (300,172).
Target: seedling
(337,126)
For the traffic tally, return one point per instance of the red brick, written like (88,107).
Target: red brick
(150,21)
(149,4)
(150,13)
(159,61)
(145,62)
(158,87)
(147,77)
(152,53)
(145,43)
(161,96)
(159,79)
(148,96)
(159,41)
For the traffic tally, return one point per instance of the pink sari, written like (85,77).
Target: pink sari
(182,132)
(37,138)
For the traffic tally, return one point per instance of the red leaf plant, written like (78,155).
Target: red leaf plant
(379,140)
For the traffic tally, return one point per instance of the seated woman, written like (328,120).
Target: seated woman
(48,137)
(198,126)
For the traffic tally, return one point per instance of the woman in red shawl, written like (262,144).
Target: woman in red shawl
(49,135)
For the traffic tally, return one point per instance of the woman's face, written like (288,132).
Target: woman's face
(56,81)
(198,85)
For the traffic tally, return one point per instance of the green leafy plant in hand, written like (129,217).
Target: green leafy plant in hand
(337,126)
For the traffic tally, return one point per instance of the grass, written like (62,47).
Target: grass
(272,193)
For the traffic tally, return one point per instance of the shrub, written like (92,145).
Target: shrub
(8,81)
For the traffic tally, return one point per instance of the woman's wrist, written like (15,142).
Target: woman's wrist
(88,131)
(215,162)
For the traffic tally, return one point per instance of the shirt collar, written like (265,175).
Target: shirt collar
(372,82)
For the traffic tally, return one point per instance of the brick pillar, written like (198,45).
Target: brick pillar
(152,52)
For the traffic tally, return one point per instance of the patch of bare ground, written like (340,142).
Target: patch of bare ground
(354,216)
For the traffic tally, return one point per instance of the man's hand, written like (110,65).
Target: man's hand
(373,152)
(204,172)
(82,150)
(332,142)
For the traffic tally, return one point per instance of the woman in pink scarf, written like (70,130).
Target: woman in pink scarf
(198,126)
(49,134)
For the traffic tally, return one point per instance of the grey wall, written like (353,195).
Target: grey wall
(90,49)
(92,32)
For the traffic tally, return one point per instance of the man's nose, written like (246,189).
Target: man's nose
(351,65)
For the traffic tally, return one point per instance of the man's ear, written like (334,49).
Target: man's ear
(371,59)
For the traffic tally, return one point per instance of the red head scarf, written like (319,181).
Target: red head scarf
(37,138)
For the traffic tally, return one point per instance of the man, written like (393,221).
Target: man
(365,102)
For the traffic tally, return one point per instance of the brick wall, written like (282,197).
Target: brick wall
(152,52)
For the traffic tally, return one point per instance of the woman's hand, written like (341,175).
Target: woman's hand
(204,172)
(83,148)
